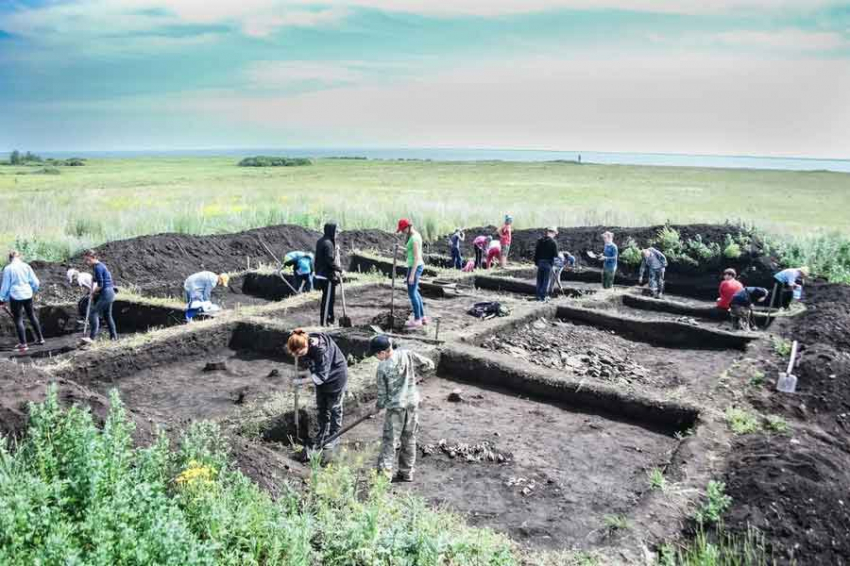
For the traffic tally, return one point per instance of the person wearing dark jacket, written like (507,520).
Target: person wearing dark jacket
(741,306)
(544,257)
(328,371)
(328,273)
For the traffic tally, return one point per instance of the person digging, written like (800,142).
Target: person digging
(302,268)
(198,292)
(328,371)
(655,263)
(399,395)
(741,306)
(18,289)
(103,295)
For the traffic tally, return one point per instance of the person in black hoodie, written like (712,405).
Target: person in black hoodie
(328,372)
(328,272)
(544,257)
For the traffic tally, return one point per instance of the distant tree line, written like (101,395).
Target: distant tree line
(266,161)
(29,158)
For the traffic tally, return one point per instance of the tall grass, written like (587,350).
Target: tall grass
(74,494)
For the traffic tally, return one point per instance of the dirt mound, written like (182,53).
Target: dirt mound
(827,318)
(158,264)
(797,492)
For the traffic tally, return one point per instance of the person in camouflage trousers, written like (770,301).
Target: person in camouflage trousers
(398,394)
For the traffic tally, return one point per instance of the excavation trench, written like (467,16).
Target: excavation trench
(62,325)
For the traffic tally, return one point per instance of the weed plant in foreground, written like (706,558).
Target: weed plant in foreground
(74,494)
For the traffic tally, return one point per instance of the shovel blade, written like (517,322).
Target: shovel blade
(345,322)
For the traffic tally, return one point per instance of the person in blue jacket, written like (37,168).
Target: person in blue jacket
(302,267)
(103,293)
(18,288)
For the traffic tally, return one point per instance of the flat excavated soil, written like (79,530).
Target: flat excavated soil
(576,468)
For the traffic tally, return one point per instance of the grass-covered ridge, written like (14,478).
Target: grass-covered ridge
(75,494)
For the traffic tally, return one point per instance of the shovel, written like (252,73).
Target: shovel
(88,311)
(345,320)
(279,265)
(787,382)
(297,412)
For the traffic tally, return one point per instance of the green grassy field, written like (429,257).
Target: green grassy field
(54,215)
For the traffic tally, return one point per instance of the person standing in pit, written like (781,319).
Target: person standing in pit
(656,263)
(415,267)
(399,395)
(302,267)
(728,287)
(328,273)
(789,283)
(505,236)
(544,258)
(741,306)
(328,371)
(494,251)
(18,288)
(454,243)
(103,294)
(610,255)
(479,244)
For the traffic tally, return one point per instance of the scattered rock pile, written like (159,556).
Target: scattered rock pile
(581,350)
(481,452)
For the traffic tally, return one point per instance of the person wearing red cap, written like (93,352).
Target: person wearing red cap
(415,267)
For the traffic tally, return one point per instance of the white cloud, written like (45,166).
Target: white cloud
(282,74)
(794,39)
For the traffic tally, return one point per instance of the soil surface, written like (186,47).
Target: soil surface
(557,464)
(601,355)
(159,264)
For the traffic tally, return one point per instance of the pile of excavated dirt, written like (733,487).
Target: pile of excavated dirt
(797,492)
(579,350)
(382,320)
(158,264)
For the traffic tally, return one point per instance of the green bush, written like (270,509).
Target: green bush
(74,494)
(266,161)
(731,248)
(669,242)
(700,251)
(630,255)
(715,505)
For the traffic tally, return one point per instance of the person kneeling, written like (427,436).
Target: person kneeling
(741,306)
(398,394)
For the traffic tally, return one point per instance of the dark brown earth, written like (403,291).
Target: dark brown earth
(562,465)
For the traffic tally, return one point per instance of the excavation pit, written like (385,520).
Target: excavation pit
(547,476)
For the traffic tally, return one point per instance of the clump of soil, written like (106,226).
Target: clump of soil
(382,320)
(797,492)
(481,452)
(581,350)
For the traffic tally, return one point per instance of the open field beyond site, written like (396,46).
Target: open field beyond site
(55,215)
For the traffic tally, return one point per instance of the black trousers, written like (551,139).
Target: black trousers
(328,288)
(328,415)
(18,309)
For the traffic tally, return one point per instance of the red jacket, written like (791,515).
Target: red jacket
(727,291)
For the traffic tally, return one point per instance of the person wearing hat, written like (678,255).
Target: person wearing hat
(741,306)
(788,285)
(610,255)
(655,263)
(398,394)
(328,273)
(454,244)
(415,267)
(728,287)
(328,371)
(18,288)
(198,289)
(544,258)
(505,235)
(103,293)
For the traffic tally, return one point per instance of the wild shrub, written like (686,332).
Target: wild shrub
(630,255)
(669,242)
(741,422)
(266,161)
(723,548)
(731,248)
(74,494)
(697,249)
(715,505)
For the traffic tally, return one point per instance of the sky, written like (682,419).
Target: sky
(726,77)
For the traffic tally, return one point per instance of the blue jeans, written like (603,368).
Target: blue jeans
(457,261)
(544,273)
(305,282)
(413,292)
(103,307)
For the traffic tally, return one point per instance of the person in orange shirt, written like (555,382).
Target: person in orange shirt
(728,287)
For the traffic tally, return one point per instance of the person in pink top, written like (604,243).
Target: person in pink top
(494,252)
(479,244)
(505,235)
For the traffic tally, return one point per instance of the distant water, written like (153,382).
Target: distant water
(663,159)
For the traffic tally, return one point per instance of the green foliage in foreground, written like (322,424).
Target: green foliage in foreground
(74,494)
(722,549)
(266,161)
